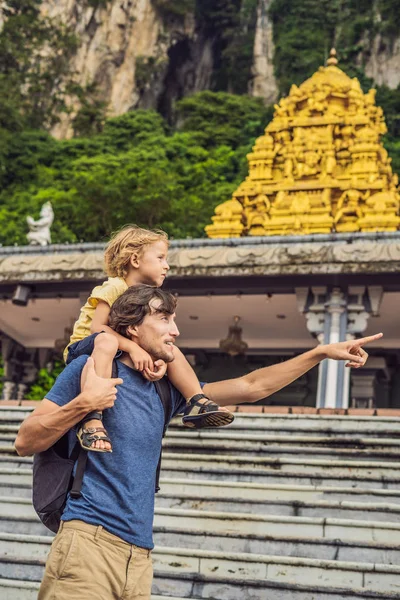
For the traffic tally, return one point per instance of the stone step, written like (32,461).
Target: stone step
(330,425)
(262,470)
(13,414)
(249,441)
(235,575)
(16,476)
(244,472)
(310,424)
(246,496)
(16,462)
(257,447)
(369,511)
(11,589)
(234,438)
(260,493)
(277,477)
(278,545)
(18,516)
(191,462)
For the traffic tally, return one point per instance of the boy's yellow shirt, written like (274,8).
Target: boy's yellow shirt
(108,292)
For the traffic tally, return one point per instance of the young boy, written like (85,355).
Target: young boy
(133,255)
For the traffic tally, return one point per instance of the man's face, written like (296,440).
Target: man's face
(157,333)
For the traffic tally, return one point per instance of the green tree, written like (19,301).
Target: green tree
(34,60)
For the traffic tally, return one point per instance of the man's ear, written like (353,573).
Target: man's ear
(134,261)
(132,332)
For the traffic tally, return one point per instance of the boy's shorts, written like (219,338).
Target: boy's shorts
(85,346)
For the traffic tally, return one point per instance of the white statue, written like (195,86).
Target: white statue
(39,231)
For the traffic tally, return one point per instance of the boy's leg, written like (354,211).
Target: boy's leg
(105,349)
(200,411)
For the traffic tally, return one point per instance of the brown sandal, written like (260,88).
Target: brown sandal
(87,436)
(200,412)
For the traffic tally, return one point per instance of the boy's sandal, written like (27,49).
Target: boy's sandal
(89,435)
(201,412)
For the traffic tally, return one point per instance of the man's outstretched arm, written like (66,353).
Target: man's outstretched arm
(264,382)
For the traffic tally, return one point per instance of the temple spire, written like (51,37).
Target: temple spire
(332,60)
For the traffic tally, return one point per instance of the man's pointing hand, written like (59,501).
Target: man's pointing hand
(352,350)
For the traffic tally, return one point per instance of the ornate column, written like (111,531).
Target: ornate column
(335,316)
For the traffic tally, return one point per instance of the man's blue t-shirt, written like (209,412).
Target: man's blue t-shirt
(118,487)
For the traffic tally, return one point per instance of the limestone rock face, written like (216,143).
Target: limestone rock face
(112,40)
(263,83)
(140,57)
(383,65)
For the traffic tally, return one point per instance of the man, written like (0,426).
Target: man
(102,549)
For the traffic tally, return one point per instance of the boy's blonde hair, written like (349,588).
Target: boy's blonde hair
(130,240)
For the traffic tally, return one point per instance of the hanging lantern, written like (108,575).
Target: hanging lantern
(233,344)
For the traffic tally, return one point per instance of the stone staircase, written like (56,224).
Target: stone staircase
(287,507)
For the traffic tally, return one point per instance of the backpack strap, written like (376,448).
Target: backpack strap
(164,391)
(81,455)
(80,470)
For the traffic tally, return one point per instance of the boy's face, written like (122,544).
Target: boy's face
(151,264)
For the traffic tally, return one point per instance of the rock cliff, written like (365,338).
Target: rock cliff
(139,55)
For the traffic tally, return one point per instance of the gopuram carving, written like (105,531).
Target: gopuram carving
(319,167)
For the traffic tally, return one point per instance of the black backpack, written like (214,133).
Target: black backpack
(52,469)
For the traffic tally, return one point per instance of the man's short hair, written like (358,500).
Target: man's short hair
(133,305)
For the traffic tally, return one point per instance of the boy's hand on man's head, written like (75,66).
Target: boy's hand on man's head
(160,368)
(140,358)
(100,392)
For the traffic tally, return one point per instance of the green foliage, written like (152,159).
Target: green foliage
(390,17)
(147,69)
(44,382)
(136,169)
(34,57)
(221,118)
(231,24)
(389,100)
(92,113)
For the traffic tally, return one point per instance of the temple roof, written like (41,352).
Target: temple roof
(329,254)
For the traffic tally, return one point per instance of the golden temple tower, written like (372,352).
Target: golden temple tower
(319,167)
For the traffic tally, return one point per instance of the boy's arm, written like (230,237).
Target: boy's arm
(100,323)
(264,382)
(140,358)
(49,422)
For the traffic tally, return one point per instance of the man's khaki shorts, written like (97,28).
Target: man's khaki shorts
(86,562)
